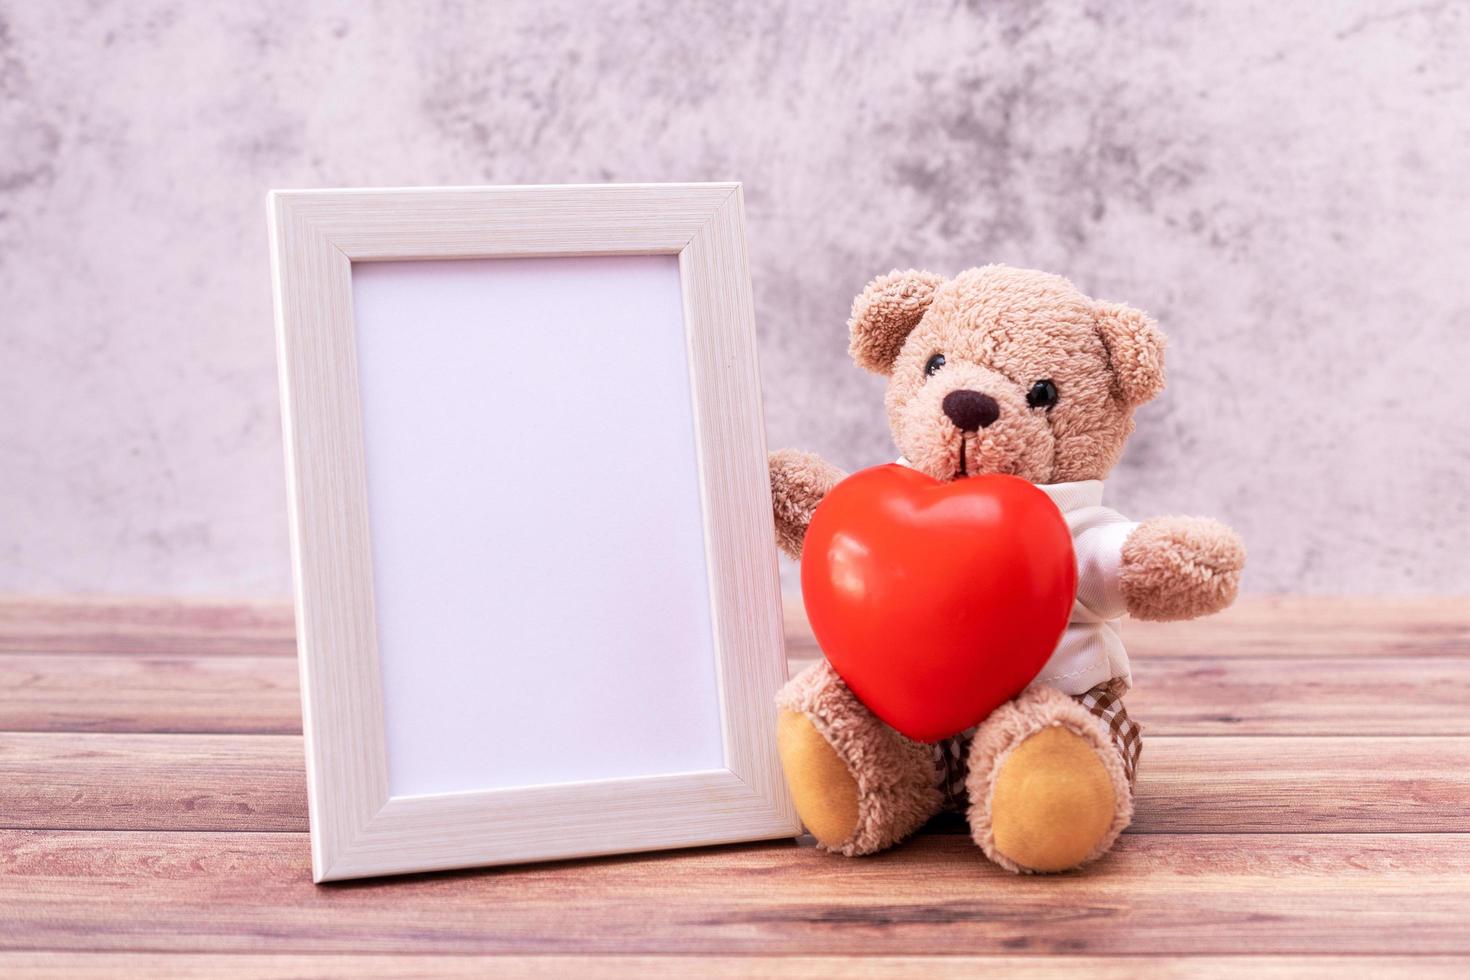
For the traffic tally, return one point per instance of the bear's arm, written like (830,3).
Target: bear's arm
(799,481)
(1180,568)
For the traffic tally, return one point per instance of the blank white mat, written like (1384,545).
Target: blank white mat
(543,600)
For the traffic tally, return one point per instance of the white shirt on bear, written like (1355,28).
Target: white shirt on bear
(1091,649)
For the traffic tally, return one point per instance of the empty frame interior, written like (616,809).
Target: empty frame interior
(543,600)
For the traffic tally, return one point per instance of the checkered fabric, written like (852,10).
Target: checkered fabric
(949,756)
(1104,701)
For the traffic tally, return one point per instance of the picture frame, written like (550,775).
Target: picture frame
(455,475)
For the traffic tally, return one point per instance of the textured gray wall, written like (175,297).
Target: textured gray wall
(1284,186)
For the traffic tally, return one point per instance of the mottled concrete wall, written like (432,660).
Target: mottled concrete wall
(1284,186)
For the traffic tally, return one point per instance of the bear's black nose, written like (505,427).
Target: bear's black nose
(970,410)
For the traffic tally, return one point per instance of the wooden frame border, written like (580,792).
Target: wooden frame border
(357,828)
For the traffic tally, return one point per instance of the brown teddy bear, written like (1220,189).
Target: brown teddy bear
(1003,370)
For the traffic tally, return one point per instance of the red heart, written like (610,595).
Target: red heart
(937,602)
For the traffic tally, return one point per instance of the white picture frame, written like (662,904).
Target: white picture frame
(408,634)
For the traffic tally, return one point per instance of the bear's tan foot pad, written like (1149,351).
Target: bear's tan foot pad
(1047,788)
(824,791)
(858,785)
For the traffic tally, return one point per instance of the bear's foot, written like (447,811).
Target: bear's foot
(858,785)
(1048,790)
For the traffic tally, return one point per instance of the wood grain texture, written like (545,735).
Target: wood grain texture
(373,224)
(1268,627)
(258,695)
(1294,696)
(1218,894)
(104,624)
(1291,695)
(327,510)
(1346,785)
(1314,626)
(745,587)
(149,693)
(267,966)
(1186,785)
(153,782)
(1301,627)
(1284,804)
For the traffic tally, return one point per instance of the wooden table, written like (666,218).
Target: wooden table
(1304,809)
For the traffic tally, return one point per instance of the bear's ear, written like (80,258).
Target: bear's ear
(1136,349)
(885,312)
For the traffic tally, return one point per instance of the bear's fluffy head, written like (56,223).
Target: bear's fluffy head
(1003,370)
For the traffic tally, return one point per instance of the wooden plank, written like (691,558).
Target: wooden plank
(163,966)
(258,695)
(1257,626)
(1302,696)
(88,624)
(153,782)
(1231,784)
(1222,784)
(1314,626)
(1297,696)
(148,693)
(1177,895)
(1273,626)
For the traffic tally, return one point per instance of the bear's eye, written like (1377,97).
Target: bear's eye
(1043,394)
(932,366)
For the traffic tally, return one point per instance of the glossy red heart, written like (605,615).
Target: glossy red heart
(937,602)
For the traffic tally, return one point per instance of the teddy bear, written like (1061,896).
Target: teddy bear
(1004,370)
